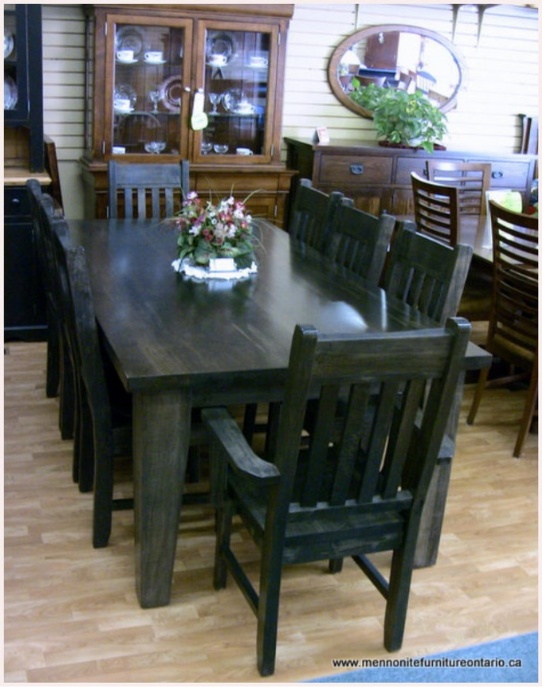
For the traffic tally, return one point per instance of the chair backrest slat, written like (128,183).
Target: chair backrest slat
(427,274)
(472,179)
(147,189)
(436,209)
(359,241)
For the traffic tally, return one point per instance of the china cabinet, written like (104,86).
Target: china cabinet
(196,82)
(378,178)
(24,301)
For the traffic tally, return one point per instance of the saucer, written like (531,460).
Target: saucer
(132,61)
(127,111)
(154,61)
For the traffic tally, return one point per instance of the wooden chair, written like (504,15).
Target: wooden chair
(359,241)
(60,379)
(51,165)
(427,274)
(472,179)
(436,209)
(146,190)
(352,496)
(312,215)
(104,407)
(513,325)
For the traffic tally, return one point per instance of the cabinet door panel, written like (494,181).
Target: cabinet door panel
(508,174)
(236,78)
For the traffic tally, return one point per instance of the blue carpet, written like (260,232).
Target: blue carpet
(506,660)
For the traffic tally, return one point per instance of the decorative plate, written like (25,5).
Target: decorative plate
(9,43)
(171,92)
(10,93)
(124,91)
(130,38)
(221,43)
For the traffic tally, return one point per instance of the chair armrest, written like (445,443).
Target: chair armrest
(223,428)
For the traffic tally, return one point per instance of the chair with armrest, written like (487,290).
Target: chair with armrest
(513,325)
(436,209)
(472,179)
(104,407)
(354,495)
(146,190)
(312,214)
(359,241)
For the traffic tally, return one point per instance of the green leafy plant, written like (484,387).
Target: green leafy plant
(402,118)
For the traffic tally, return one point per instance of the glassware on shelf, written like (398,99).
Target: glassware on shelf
(215,99)
(155,96)
(206,147)
(155,147)
(221,148)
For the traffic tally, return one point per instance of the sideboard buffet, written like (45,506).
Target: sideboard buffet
(196,82)
(378,178)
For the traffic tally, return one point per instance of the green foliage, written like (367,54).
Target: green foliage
(400,117)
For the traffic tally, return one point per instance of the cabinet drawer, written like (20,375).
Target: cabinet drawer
(341,170)
(508,174)
(16,202)
(406,165)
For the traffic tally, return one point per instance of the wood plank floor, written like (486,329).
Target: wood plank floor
(71,614)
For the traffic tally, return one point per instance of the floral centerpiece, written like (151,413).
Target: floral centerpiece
(210,231)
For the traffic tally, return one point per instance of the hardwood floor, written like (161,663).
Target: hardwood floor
(71,614)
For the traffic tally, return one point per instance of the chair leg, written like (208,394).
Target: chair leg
(53,361)
(268,609)
(397,600)
(103,499)
(66,396)
(482,381)
(224,517)
(335,565)
(528,413)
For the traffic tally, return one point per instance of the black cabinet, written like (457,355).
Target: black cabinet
(24,300)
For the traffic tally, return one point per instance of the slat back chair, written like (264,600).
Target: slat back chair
(60,380)
(146,190)
(359,241)
(349,496)
(436,209)
(312,215)
(42,201)
(104,408)
(427,274)
(472,179)
(513,325)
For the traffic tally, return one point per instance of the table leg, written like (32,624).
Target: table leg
(161,435)
(435,503)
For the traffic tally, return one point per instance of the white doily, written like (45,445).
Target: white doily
(204,273)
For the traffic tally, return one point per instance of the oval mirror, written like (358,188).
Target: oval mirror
(397,56)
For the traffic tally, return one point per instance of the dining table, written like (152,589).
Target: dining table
(179,343)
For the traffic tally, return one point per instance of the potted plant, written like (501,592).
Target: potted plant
(401,118)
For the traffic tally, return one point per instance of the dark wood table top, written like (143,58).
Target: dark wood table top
(165,330)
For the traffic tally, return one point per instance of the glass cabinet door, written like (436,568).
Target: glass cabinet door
(150,74)
(235,77)
(15,79)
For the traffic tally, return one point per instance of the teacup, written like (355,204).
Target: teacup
(153,56)
(125,55)
(122,104)
(258,61)
(218,60)
(244,151)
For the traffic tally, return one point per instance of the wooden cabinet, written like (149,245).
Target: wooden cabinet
(24,301)
(378,178)
(196,82)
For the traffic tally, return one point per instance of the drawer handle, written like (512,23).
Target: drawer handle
(357,169)
(497,175)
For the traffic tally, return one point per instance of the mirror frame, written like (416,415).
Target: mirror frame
(362,34)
